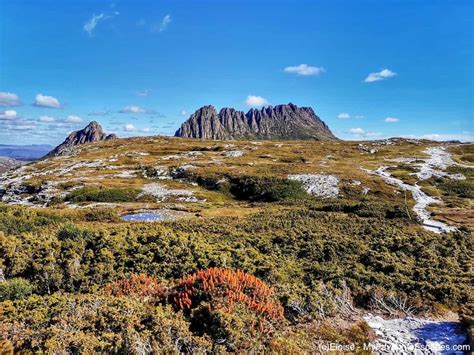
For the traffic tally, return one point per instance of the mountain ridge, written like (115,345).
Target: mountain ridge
(93,132)
(284,122)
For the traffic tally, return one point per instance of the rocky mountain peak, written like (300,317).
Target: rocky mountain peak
(281,122)
(93,132)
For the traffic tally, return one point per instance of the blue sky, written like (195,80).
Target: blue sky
(369,68)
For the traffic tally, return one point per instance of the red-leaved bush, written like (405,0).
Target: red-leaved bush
(217,289)
(225,289)
(146,288)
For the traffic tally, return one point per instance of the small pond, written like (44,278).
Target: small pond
(152,216)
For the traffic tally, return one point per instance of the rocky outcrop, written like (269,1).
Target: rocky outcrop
(282,122)
(93,132)
(7,163)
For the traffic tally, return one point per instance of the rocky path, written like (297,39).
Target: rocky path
(422,201)
(413,335)
(435,165)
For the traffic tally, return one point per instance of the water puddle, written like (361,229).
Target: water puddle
(153,216)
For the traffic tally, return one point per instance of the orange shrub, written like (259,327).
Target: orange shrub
(146,288)
(225,289)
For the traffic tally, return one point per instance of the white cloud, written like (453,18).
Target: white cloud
(380,75)
(22,127)
(97,113)
(146,129)
(304,69)
(9,99)
(46,101)
(163,25)
(359,116)
(391,120)
(129,127)
(183,113)
(93,21)
(165,22)
(73,119)
(143,93)
(8,115)
(344,115)
(357,131)
(463,136)
(91,24)
(46,119)
(132,109)
(256,101)
(372,134)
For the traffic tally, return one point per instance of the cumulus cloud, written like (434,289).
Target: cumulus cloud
(92,23)
(357,131)
(9,99)
(380,75)
(46,101)
(161,26)
(73,119)
(304,69)
(344,115)
(133,109)
(8,115)
(129,127)
(391,120)
(146,129)
(46,119)
(256,101)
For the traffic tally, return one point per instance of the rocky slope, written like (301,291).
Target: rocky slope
(93,132)
(7,163)
(282,122)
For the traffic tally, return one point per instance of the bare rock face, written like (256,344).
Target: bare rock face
(282,122)
(93,132)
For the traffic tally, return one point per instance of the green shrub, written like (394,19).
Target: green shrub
(96,194)
(16,220)
(266,189)
(72,232)
(460,188)
(90,324)
(100,215)
(15,289)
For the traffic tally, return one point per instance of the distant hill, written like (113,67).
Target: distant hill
(93,132)
(24,152)
(281,122)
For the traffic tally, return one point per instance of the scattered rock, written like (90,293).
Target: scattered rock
(435,165)
(319,185)
(234,153)
(162,193)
